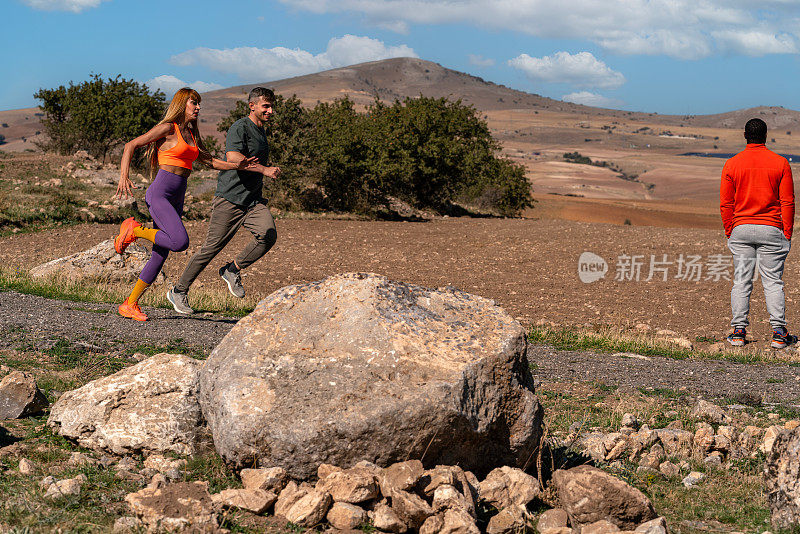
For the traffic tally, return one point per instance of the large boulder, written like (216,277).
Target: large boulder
(589,495)
(101,262)
(151,406)
(19,396)
(782,481)
(358,367)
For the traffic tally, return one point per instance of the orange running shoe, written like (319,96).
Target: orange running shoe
(125,236)
(131,311)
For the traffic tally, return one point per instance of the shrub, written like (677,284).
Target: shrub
(432,153)
(2,139)
(97,115)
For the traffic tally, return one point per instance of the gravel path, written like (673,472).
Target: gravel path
(41,322)
(37,322)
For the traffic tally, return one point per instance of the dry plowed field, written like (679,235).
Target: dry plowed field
(528,266)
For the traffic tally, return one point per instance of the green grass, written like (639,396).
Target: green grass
(610,341)
(100,291)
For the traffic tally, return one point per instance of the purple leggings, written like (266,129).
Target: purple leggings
(164,199)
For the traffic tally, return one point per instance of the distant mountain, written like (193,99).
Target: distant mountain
(397,78)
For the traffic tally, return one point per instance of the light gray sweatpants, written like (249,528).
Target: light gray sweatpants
(766,246)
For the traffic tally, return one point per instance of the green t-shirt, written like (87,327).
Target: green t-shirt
(244,187)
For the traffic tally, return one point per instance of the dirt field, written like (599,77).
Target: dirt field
(528,266)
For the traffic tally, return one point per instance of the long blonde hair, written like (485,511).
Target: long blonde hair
(175,113)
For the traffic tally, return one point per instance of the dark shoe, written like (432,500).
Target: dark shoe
(737,339)
(781,338)
(234,281)
(179,301)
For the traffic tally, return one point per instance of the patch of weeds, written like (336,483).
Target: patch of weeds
(367,527)
(211,468)
(668,393)
(787,412)
(776,380)
(173,346)
(606,340)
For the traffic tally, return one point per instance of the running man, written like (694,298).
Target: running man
(238,202)
(173,146)
(757,207)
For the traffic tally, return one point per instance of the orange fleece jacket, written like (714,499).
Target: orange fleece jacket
(757,188)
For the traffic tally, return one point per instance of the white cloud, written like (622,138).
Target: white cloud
(592,99)
(480,61)
(170,85)
(756,43)
(686,29)
(581,69)
(251,63)
(76,6)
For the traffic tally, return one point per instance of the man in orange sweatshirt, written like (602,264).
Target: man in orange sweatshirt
(757,206)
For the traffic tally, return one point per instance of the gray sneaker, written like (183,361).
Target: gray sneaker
(234,281)
(179,301)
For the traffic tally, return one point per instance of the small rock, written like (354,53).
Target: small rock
(711,412)
(553,518)
(589,495)
(769,438)
(791,424)
(78,459)
(714,459)
(773,416)
(126,524)
(304,506)
(654,526)
(62,488)
(450,521)
(693,478)
(410,508)
(385,519)
(401,476)
(326,469)
(272,479)
(346,516)
(46,482)
(703,439)
(256,501)
(512,519)
(352,485)
(599,527)
(447,497)
(629,420)
(26,467)
(669,469)
(505,486)
(20,397)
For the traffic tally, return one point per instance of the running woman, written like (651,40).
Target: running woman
(173,145)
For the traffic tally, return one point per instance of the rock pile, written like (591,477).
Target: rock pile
(405,497)
(99,262)
(358,367)
(653,448)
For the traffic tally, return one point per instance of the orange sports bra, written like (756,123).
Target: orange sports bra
(182,154)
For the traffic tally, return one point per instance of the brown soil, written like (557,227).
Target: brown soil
(528,266)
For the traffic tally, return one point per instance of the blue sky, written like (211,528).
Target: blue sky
(666,56)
